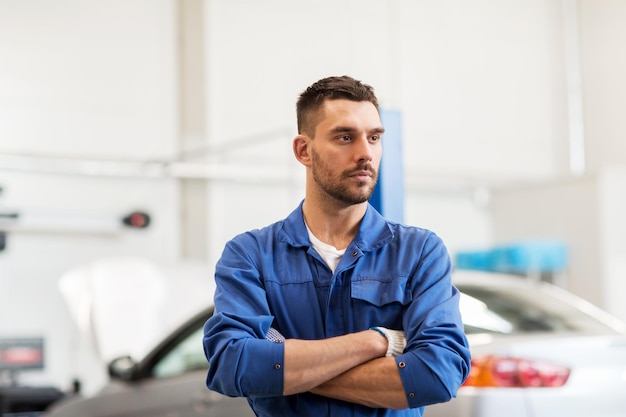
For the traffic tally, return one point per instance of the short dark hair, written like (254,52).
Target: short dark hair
(330,88)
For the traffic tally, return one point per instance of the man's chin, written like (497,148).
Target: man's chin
(362,198)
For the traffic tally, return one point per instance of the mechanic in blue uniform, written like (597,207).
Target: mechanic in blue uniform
(336,311)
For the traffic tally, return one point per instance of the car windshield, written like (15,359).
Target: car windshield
(507,310)
(184,357)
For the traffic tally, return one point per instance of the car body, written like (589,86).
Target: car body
(516,323)
(169,381)
(557,354)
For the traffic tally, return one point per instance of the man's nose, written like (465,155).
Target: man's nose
(363,149)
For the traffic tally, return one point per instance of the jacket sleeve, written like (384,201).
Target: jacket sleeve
(436,360)
(241,361)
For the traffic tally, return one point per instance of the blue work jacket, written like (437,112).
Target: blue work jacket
(391,275)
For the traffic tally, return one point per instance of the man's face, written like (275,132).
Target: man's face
(346,150)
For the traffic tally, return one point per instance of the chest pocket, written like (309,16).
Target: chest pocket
(382,292)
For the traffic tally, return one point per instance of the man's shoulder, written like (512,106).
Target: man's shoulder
(402,229)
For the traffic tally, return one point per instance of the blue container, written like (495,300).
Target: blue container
(521,258)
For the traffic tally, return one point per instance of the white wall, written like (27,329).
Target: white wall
(481,84)
(481,87)
(585,213)
(564,210)
(612,235)
(460,216)
(88,78)
(81,80)
(603,35)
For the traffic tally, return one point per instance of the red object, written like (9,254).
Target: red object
(137,220)
(509,372)
(21,356)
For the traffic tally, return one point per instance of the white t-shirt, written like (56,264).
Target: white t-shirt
(329,253)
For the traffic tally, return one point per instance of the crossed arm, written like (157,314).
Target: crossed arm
(351,367)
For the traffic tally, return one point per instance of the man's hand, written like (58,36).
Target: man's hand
(349,367)
(374,384)
(309,363)
(396,340)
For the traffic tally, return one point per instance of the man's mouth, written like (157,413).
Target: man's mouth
(362,175)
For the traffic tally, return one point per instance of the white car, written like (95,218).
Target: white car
(537,351)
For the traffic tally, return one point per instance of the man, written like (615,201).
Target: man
(335,311)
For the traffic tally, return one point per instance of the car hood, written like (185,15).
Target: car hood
(124,306)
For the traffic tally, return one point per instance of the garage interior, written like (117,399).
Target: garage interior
(138,136)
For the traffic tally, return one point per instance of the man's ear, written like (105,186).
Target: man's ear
(301,149)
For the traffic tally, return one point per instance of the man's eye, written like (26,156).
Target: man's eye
(345,137)
(374,138)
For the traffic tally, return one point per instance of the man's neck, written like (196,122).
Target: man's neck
(336,226)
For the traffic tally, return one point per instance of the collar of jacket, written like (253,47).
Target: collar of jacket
(374,232)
